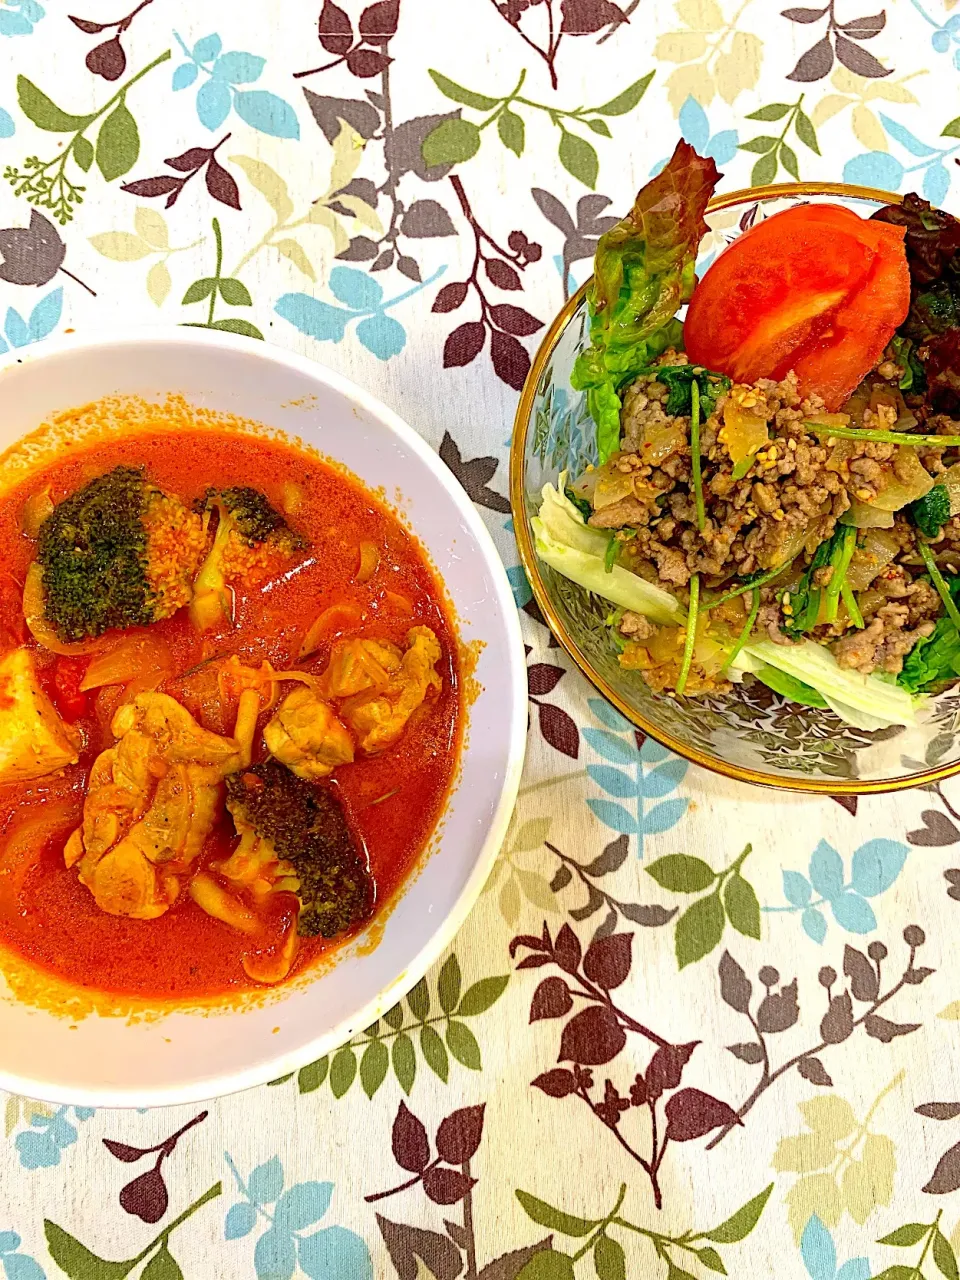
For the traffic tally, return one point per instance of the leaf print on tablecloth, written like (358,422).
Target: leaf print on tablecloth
(933,1241)
(675,1251)
(80,1263)
(20,17)
(558,728)
(219,93)
(710,54)
(731,898)
(46,183)
(580,231)
(381,334)
(363,51)
(33,255)
(474,475)
(844,1165)
(391,1042)
(233,292)
(773,150)
(843,40)
(874,868)
(146,1195)
(220,184)
(455,141)
(586,875)
(778,1011)
(639,770)
(884,167)
(14,1264)
(504,322)
(457,1141)
(819,1255)
(329,211)
(597,1034)
(43,319)
(514,878)
(374,118)
(946,1176)
(149,239)
(554,19)
(50,1131)
(329,1253)
(860,96)
(108,58)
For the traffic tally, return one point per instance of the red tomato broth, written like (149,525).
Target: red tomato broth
(392,802)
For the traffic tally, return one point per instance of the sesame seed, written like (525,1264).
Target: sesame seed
(777,515)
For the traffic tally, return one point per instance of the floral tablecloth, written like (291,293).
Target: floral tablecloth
(691,1028)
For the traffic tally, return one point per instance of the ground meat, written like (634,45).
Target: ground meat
(636,626)
(628,511)
(795,488)
(884,643)
(672,565)
(858,652)
(768,620)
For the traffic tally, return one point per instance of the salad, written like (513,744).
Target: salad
(776,494)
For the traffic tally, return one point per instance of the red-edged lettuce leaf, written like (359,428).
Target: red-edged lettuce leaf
(929,346)
(643,272)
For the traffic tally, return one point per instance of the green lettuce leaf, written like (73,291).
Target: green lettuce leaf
(568,545)
(643,273)
(815,666)
(934,659)
(789,687)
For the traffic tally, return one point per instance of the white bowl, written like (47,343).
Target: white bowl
(181,1055)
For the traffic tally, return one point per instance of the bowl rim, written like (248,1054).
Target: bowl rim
(199,1087)
(531,564)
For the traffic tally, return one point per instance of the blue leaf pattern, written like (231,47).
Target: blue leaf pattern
(331,1253)
(20,1266)
(382,335)
(41,1146)
(652,773)
(826,870)
(818,1251)
(275,1255)
(874,867)
(218,94)
(335,1253)
(19,17)
(266,1182)
(303,1205)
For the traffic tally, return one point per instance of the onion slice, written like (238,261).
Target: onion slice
(40,628)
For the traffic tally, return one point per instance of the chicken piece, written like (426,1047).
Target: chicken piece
(379,713)
(151,803)
(34,740)
(306,735)
(357,665)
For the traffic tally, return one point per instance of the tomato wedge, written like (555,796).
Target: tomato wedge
(815,289)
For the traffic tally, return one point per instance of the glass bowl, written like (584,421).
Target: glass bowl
(750,734)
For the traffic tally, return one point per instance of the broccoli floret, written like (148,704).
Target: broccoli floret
(304,824)
(117,553)
(251,538)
